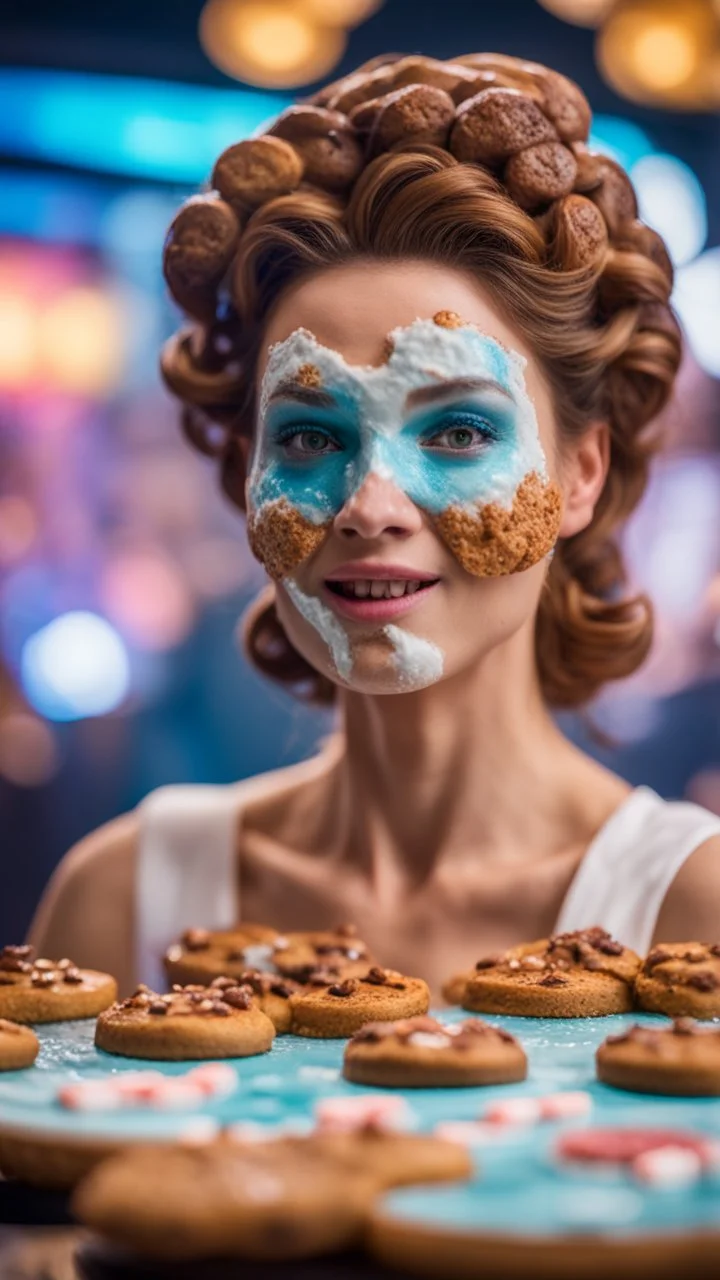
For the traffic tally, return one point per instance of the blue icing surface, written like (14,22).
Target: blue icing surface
(518,1187)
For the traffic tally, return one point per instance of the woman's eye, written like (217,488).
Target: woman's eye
(308,443)
(460,439)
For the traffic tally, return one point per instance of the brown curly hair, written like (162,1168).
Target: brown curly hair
(482,164)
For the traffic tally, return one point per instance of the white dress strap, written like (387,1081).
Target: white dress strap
(187,869)
(628,868)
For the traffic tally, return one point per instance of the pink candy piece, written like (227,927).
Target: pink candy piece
(214,1079)
(345,1115)
(513,1111)
(152,1089)
(668,1167)
(565,1106)
(90,1096)
(468,1133)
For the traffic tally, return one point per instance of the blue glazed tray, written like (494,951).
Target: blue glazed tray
(518,1185)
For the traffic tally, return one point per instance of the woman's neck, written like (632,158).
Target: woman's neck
(473,768)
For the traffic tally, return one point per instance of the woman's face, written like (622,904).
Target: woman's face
(404,490)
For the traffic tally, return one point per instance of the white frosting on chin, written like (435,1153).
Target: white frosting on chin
(325,623)
(418,662)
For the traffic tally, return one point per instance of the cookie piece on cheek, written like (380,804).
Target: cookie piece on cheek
(495,542)
(281,538)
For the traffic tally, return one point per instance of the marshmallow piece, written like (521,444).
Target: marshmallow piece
(565,1106)
(669,1167)
(513,1111)
(176,1095)
(468,1133)
(214,1079)
(346,1115)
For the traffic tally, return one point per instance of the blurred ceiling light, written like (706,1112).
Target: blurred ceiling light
(28,755)
(696,299)
(659,52)
(270,43)
(18,340)
(18,528)
(76,666)
(145,596)
(583,13)
(672,201)
(80,333)
(340,13)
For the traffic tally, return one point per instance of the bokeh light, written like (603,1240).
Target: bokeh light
(696,298)
(340,13)
(81,341)
(583,13)
(269,43)
(145,596)
(18,528)
(659,51)
(18,339)
(28,753)
(76,666)
(673,202)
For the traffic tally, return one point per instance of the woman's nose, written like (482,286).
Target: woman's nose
(378,506)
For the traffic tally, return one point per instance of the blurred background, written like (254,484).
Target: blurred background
(122,572)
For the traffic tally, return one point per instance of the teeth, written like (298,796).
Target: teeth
(379,589)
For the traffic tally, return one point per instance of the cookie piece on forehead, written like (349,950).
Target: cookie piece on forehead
(449,320)
(308,375)
(492,541)
(281,537)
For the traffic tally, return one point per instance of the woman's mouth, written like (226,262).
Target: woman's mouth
(376,599)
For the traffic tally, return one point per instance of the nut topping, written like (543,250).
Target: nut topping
(343,989)
(196,939)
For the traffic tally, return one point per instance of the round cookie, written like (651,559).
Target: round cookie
(342,1007)
(259,1200)
(271,993)
(396,1159)
(453,989)
(39,990)
(681,979)
(681,1060)
(189,1022)
(423,1053)
(584,974)
(19,1046)
(202,954)
(337,951)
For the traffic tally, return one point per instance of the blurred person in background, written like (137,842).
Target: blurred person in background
(428,339)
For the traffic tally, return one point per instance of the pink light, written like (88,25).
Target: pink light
(145,597)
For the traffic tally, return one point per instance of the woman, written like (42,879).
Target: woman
(428,336)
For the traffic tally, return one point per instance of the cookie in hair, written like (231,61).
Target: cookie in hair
(340,1008)
(19,1046)
(34,989)
(199,247)
(325,141)
(188,1022)
(496,124)
(680,1060)
(584,974)
(251,172)
(424,1053)
(681,979)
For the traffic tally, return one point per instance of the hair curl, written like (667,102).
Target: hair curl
(481,164)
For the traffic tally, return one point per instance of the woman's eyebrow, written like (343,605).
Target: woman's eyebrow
(441,390)
(313,396)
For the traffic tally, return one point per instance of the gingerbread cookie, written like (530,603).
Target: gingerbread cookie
(259,1200)
(679,1060)
(188,1022)
(681,979)
(271,992)
(19,1046)
(423,1053)
(342,1007)
(39,990)
(202,954)
(584,974)
(338,952)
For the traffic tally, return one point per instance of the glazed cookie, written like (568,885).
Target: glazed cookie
(19,1046)
(259,1200)
(342,1007)
(201,954)
(396,1159)
(585,974)
(38,990)
(188,1022)
(681,1060)
(271,992)
(423,1053)
(681,979)
(338,952)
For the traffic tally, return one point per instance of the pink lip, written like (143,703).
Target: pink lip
(354,569)
(369,610)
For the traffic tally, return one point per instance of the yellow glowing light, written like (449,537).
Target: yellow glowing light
(269,42)
(18,340)
(656,51)
(339,13)
(28,755)
(582,13)
(18,528)
(81,342)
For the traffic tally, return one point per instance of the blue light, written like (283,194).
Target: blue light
(75,667)
(113,124)
(621,139)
